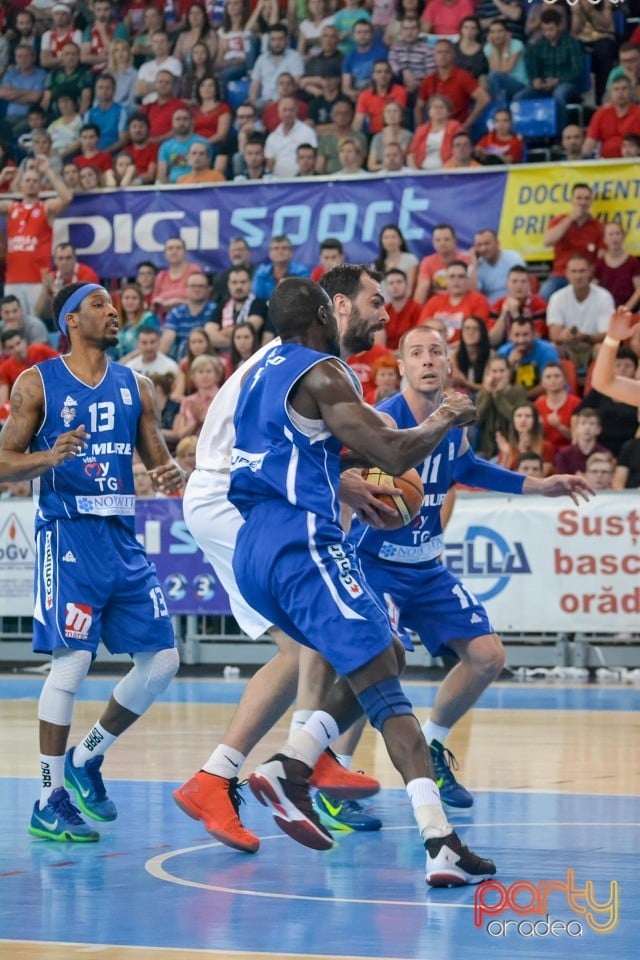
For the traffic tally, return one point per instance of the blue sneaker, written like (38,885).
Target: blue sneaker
(60,820)
(346,816)
(451,792)
(89,788)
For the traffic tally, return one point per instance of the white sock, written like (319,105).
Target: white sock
(225,762)
(427,808)
(432,732)
(299,719)
(345,760)
(308,743)
(52,774)
(96,742)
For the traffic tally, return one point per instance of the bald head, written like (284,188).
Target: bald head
(300,310)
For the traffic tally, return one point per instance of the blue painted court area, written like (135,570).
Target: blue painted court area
(156,879)
(507,696)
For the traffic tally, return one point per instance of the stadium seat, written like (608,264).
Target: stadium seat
(535,119)
(237,92)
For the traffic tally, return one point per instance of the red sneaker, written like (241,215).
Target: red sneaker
(215,801)
(341,784)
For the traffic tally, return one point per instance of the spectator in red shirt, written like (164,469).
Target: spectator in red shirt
(144,153)
(404,313)
(467,97)
(67,270)
(432,268)
(457,303)
(431,145)
(331,255)
(89,155)
(576,232)
(556,407)
(518,302)
(609,124)
(361,364)
(372,101)
(19,356)
(287,87)
(159,114)
(443,17)
(501,142)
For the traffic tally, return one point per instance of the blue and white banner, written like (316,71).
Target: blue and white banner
(114,230)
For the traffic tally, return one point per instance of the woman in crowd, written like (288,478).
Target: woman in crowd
(618,271)
(469,361)
(393,131)
(201,66)
(90,179)
(507,71)
(236,44)
(207,374)
(311,27)
(385,374)
(196,30)
(525,436)
(132,312)
(245,340)
(556,407)
(469,53)
(212,119)
(395,253)
(496,401)
(120,66)
(198,345)
(124,171)
(65,130)
(431,145)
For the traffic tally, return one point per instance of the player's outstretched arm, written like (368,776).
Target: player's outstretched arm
(560,485)
(166,474)
(622,324)
(27,410)
(327,389)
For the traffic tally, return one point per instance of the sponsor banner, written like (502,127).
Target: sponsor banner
(114,230)
(538,565)
(537,192)
(546,565)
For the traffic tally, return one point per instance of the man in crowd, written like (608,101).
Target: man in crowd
(241,306)
(492,264)
(574,232)
(518,302)
(149,358)
(281,264)
(459,301)
(527,355)
(19,356)
(13,317)
(282,144)
(181,319)
(578,314)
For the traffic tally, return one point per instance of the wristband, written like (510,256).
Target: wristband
(611,341)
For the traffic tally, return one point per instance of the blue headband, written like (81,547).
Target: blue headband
(73,302)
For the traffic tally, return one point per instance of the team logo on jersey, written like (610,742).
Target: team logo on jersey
(77,621)
(68,412)
(343,564)
(69,557)
(125,393)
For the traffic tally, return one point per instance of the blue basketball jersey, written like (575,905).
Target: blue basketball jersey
(421,540)
(277,454)
(98,482)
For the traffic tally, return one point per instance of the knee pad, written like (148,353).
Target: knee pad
(383,700)
(68,670)
(150,675)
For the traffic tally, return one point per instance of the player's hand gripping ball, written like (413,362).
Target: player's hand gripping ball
(406,504)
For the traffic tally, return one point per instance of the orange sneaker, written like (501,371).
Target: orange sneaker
(215,801)
(331,777)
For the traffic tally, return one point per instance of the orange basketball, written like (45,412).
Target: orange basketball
(407,504)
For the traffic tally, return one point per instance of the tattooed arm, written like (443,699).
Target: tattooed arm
(27,411)
(166,474)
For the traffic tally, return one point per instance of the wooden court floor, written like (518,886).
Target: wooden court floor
(555,772)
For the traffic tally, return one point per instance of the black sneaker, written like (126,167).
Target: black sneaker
(283,784)
(444,763)
(450,864)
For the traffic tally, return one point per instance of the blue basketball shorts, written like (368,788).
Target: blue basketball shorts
(94,581)
(428,600)
(297,570)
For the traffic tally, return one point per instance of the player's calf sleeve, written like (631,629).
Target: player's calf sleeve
(150,675)
(68,670)
(383,700)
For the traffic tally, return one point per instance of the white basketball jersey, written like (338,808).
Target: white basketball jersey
(218,436)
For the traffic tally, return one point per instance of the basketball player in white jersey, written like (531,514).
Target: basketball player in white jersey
(211,794)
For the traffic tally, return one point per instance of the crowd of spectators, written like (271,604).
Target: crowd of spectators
(97,94)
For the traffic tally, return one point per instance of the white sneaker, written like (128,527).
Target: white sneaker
(450,864)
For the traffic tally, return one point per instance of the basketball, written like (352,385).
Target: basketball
(407,504)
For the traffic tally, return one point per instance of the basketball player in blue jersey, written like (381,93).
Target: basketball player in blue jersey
(79,419)
(296,410)
(405,566)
